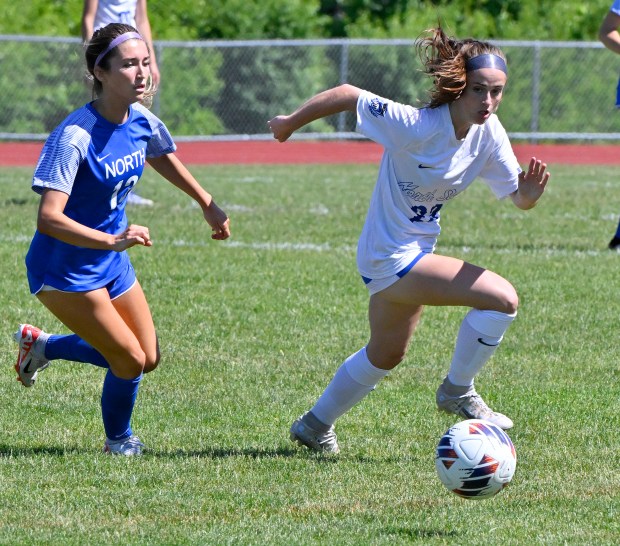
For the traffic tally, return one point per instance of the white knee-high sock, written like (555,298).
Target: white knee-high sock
(478,338)
(355,378)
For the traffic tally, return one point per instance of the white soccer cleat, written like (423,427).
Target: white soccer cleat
(128,447)
(471,406)
(304,435)
(30,358)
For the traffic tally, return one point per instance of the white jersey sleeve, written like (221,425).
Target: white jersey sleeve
(501,171)
(389,123)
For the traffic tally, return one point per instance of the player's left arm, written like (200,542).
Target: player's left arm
(173,170)
(532,184)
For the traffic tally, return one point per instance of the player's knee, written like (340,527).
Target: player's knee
(388,357)
(152,361)
(136,361)
(511,301)
(507,300)
(128,361)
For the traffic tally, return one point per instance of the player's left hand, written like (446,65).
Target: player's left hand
(218,220)
(532,183)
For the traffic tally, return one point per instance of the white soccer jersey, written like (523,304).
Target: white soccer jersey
(423,167)
(115,11)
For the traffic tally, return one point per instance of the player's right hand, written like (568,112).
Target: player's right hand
(280,128)
(131,236)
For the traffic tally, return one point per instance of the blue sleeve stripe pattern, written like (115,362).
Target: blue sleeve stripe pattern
(63,152)
(161,142)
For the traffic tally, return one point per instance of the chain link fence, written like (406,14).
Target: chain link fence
(227,90)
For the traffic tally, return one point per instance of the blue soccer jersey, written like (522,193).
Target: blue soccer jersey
(97,163)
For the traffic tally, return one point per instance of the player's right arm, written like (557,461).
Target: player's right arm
(333,101)
(53,222)
(88,18)
(608,32)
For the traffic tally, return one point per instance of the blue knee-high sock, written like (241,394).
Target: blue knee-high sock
(618,230)
(117,401)
(73,347)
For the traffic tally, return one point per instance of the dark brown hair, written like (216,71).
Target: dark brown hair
(444,59)
(100,41)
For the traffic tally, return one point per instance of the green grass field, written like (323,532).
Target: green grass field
(252,330)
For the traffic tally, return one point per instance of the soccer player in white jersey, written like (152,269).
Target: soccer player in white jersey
(77,263)
(431,155)
(609,35)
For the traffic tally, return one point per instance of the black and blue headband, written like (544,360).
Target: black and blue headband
(486,60)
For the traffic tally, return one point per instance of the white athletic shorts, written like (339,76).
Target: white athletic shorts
(376,285)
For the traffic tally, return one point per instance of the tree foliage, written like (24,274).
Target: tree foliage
(235,88)
(261,19)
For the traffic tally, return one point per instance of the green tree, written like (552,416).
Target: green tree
(235,19)
(259,19)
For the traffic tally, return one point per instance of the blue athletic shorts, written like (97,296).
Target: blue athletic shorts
(116,287)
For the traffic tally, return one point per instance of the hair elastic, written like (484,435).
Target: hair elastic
(117,41)
(486,60)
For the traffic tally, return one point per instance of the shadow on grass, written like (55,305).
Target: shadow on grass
(419,533)
(11,451)
(209,453)
(224,453)
(16,201)
(214,453)
(264,453)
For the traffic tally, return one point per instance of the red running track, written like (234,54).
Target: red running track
(329,152)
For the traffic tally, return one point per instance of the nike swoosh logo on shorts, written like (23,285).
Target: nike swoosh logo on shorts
(420,166)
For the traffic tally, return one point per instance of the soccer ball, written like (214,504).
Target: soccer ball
(475,459)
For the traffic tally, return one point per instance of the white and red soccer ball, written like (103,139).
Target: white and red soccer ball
(475,459)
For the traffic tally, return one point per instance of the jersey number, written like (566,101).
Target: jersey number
(422,214)
(129,183)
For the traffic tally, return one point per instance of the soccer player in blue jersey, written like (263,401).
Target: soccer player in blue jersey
(77,263)
(431,155)
(609,35)
(97,14)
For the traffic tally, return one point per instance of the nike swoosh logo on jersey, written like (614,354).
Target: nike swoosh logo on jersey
(487,344)
(420,166)
(100,159)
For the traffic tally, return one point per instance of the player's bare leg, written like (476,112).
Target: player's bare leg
(440,280)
